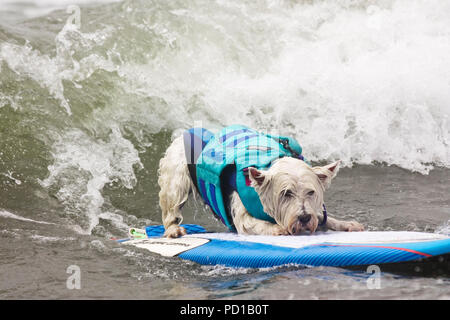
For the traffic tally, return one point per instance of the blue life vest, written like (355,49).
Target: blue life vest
(218,165)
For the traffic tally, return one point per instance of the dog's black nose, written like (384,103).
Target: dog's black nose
(304,218)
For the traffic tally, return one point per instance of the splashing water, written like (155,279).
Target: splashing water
(351,80)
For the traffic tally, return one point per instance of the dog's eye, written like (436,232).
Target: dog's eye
(311,193)
(289,194)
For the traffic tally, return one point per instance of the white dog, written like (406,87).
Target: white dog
(283,196)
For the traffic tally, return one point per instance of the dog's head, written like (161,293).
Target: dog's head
(292,193)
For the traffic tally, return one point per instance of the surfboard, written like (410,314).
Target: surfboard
(331,248)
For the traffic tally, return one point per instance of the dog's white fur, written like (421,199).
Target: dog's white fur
(290,191)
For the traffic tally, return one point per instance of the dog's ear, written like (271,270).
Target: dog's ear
(327,173)
(257,177)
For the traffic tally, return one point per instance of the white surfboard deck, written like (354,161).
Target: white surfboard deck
(168,247)
(173,247)
(336,237)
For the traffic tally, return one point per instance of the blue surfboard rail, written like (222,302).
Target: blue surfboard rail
(260,255)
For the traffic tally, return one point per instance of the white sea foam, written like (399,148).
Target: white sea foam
(36,8)
(355,81)
(444,229)
(7,214)
(351,80)
(9,175)
(46,239)
(82,167)
(50,72)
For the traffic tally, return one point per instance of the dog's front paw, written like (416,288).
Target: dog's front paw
(353,226)
(278,230)
(175,232)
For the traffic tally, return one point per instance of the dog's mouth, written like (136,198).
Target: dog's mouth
(304,222)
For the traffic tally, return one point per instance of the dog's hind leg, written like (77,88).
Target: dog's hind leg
(175,183)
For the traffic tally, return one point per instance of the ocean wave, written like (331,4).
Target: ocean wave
(351,80)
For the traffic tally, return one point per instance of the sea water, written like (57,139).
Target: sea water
(93,92)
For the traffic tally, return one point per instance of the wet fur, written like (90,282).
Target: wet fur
(290,192)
